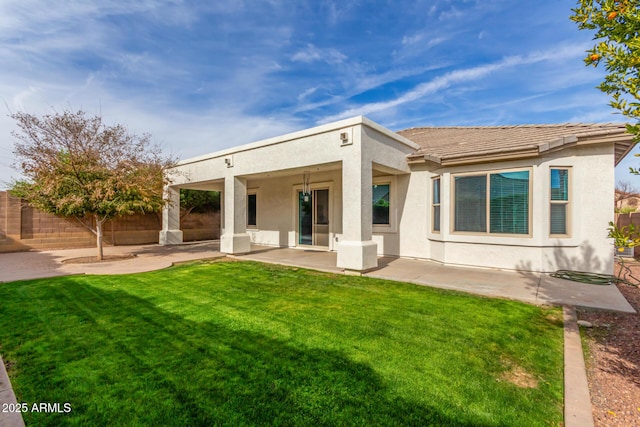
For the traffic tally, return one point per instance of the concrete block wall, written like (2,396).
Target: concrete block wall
(622,220)
(3,217)
(625,219)
(10,224)
(201,226)
(23,228)
(42,230)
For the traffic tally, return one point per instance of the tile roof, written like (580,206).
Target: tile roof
(453,144)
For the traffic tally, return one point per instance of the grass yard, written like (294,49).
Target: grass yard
(243,343)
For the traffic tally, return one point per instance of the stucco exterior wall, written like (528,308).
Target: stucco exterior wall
(277,207)
(587,248)
(349,157)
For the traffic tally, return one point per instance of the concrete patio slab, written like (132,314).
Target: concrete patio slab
(533,288)
(50,263)
(307,258)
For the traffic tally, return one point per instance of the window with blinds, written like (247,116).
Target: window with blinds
(509,203)
(559,202)
(497,202)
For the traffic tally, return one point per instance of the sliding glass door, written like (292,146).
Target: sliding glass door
(313,218)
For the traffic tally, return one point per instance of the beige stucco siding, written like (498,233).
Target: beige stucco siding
(591,198)
(277,204)
(349,157)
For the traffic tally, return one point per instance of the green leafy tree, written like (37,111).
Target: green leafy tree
(617,33)
(78,167)
(197,201)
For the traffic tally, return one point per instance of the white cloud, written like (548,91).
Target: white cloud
(313,54)
(461,76)
(307,93)
(412,39)
(419,37)
(179,132)
(201,76)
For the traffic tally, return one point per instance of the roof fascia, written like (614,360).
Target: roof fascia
(329,127)
(342,124)
(391,134)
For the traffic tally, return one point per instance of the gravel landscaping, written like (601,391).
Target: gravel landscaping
(613,361)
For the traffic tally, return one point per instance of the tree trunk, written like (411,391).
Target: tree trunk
(99,232)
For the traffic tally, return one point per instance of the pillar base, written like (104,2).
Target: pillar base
(171,237)
(235,243)
(357,256)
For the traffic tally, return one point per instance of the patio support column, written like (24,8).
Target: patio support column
(171,233)
(357,252)
(235,239)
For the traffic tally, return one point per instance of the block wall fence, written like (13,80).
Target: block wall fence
(622,220)
(24,228)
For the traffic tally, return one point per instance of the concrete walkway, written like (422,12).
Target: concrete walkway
(533,288)
(522,286)
(40,264)
(9,416)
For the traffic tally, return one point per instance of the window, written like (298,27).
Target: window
(435,201)
(381,204)
(559,203)
(471,203)
(509,203)
(252,210)
(506,194)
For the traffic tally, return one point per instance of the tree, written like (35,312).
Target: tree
(625,192)
(617,26)
(78,167)
(197,201)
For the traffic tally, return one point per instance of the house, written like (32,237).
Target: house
(533,198)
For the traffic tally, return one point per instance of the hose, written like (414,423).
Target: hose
(584,277)
(596,278)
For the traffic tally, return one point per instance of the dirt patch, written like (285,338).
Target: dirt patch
(93,259)
(519,377)
(613,361)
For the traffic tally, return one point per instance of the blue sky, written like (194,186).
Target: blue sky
(205,75)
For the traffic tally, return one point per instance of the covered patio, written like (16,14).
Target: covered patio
(311,189)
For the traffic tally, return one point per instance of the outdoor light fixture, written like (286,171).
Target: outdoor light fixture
(306,185)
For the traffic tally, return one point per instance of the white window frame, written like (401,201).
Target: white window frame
(567,203)
(434,204)
(253,192)
(392,226)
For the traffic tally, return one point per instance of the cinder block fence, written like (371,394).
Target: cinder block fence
(23,228)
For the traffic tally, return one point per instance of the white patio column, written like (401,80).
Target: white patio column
(357,252)
(235,239)
(171,233)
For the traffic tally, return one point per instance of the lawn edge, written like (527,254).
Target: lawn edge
(577,400)
(7,396)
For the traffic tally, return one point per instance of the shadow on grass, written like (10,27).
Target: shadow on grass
(120,360)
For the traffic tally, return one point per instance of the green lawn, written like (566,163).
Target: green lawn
(242,343)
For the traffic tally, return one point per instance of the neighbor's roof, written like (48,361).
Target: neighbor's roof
(457,145)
